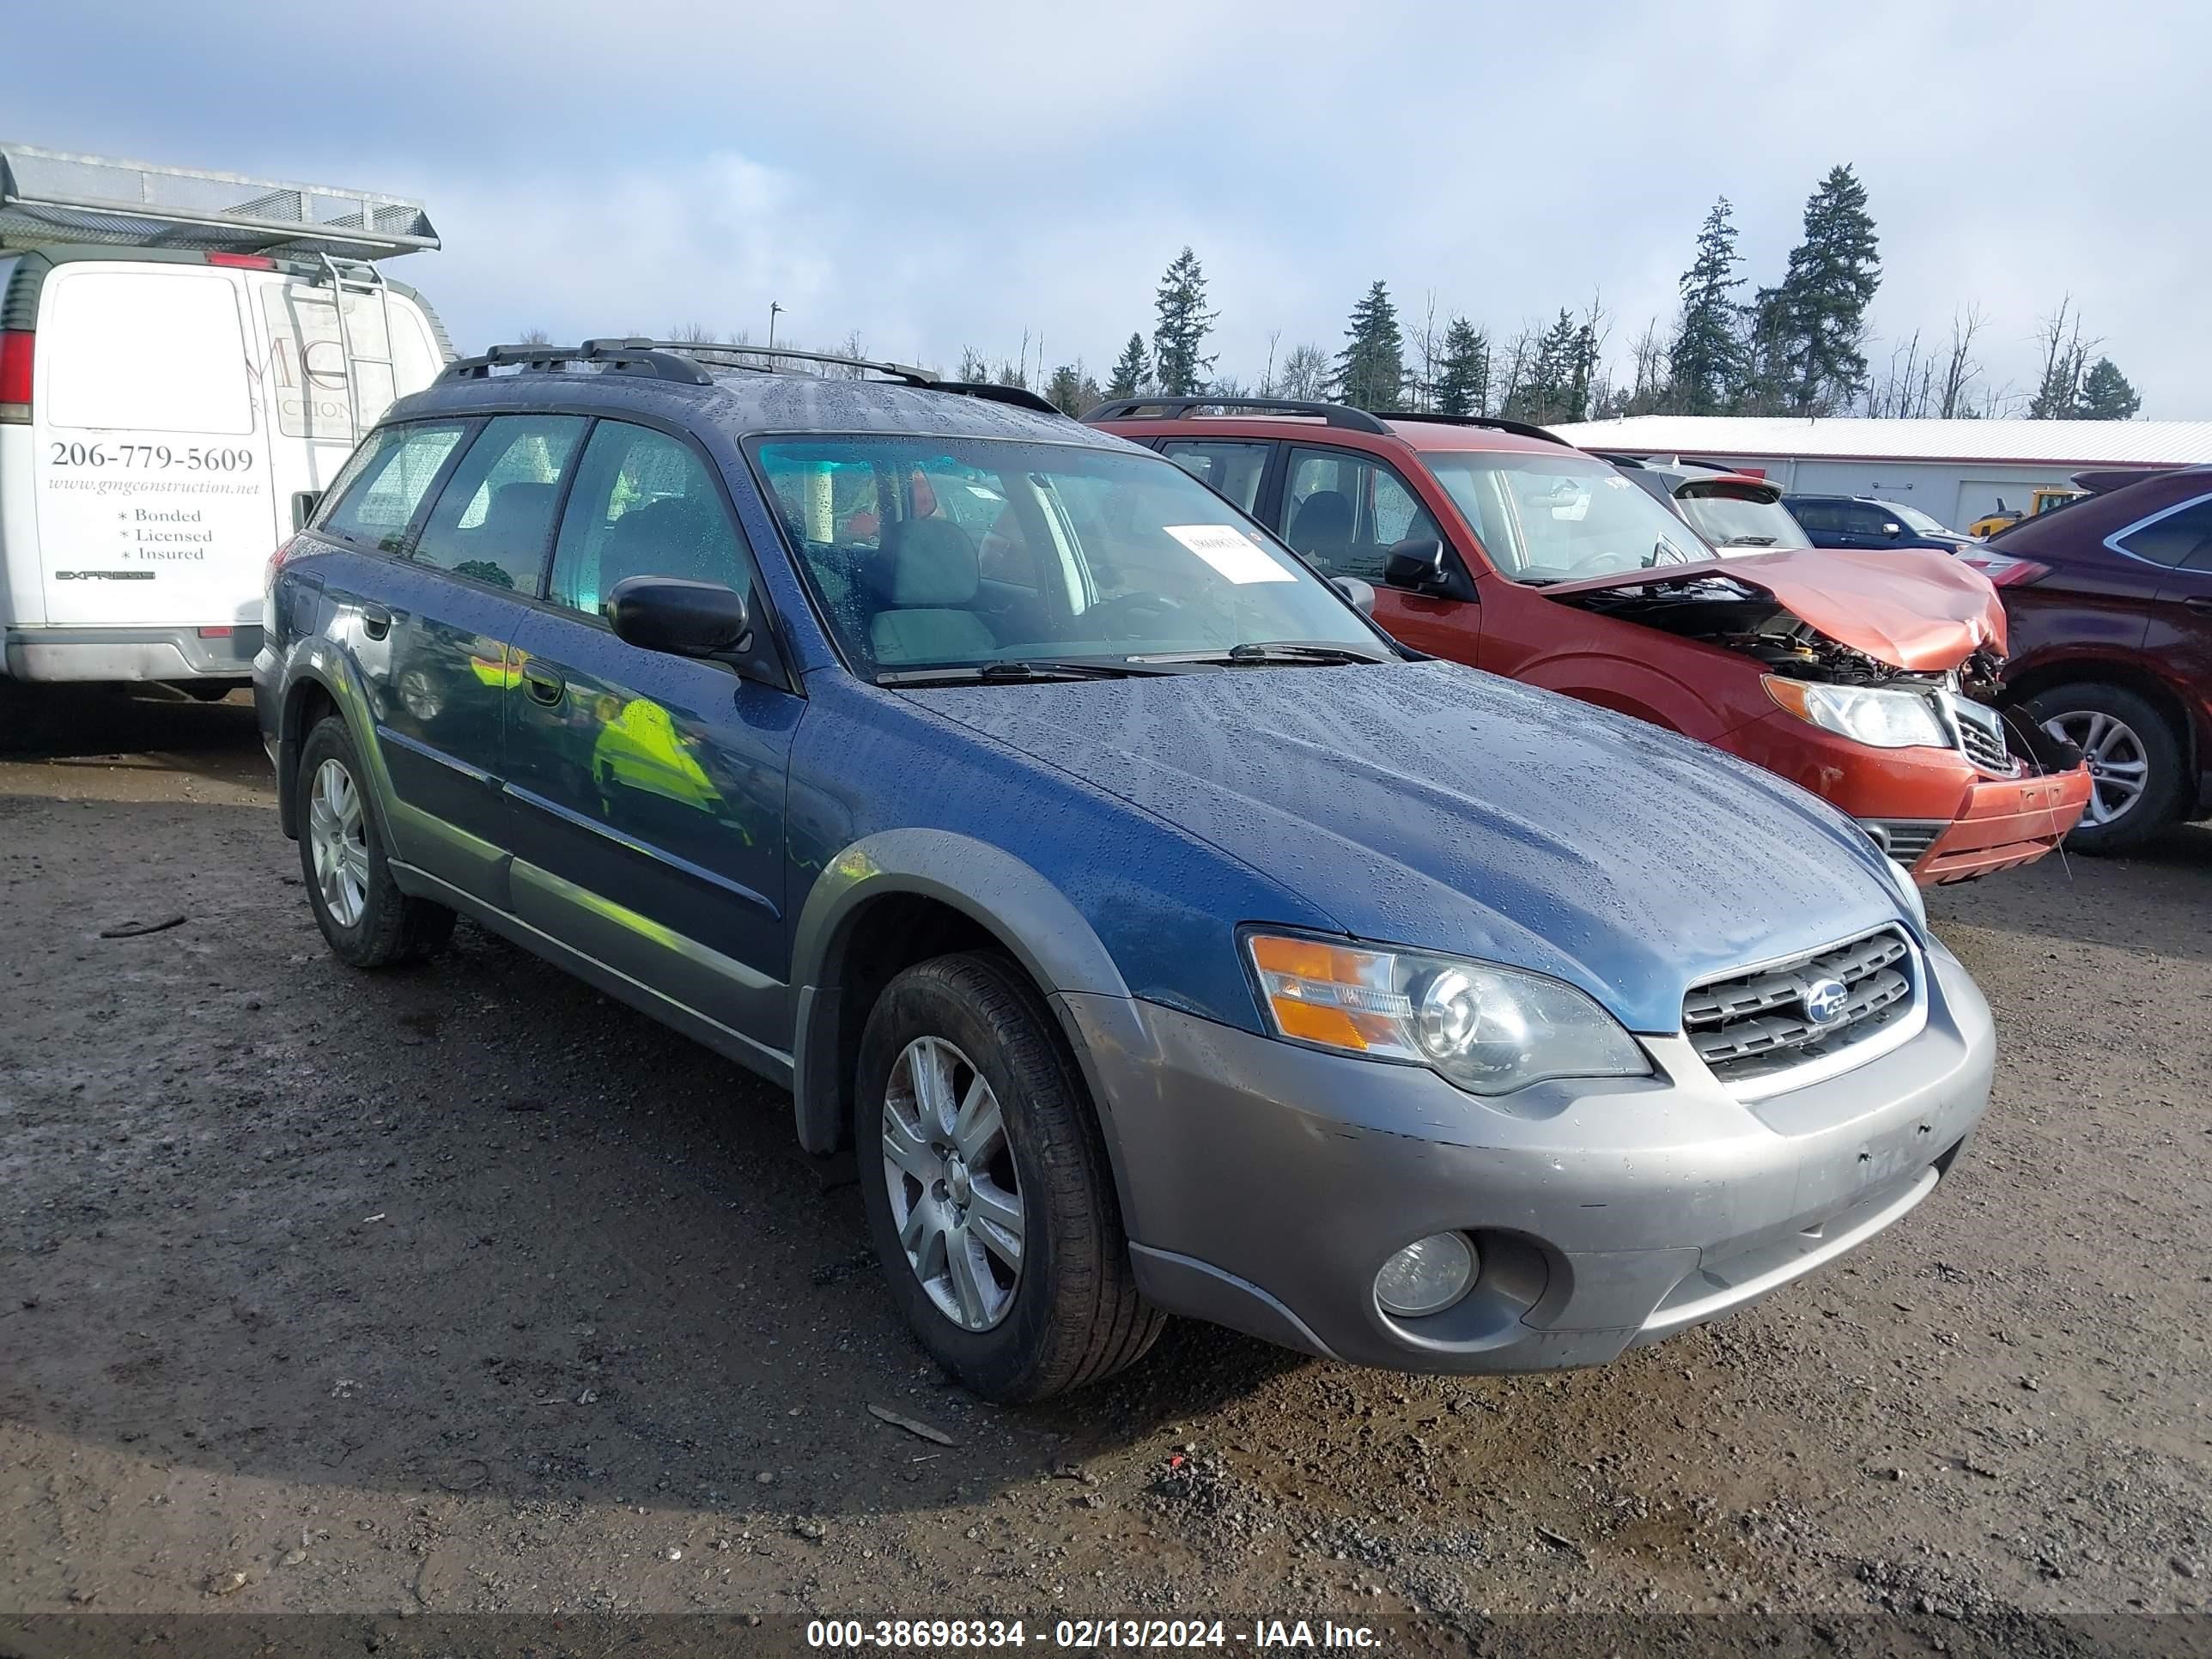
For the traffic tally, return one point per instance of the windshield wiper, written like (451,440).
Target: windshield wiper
(1271,654)
(1748,541)
(1027,671)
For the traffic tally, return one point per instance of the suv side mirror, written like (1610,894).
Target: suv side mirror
(1418,563)
(304,503)
(1892,529)
(1362,594)
(683,618)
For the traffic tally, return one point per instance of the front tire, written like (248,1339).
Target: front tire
(989,1199)
(365,918)
(2135,759)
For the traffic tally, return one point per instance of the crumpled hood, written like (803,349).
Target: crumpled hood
(1911,609)
(1428,805)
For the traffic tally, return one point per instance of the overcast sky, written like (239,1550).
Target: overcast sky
(939,175)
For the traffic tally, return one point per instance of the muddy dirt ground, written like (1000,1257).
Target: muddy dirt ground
(465,1291)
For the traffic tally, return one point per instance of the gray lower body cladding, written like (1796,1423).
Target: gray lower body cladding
(1265,1183)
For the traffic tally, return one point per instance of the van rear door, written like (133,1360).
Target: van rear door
(311,407)
(150,459)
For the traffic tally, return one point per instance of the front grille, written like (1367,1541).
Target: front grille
(1981,737)
(1903,839)
(1750,1025)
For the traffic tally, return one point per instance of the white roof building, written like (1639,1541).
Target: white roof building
(1955,470)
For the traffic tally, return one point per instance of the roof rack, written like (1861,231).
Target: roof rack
(51,196)
(679,361)
(1177,408)
(1496,422)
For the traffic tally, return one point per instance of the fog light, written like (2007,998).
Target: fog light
(1427,1276)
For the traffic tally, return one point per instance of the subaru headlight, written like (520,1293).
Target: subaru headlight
(1871,714)
(1490,1029)
(1914,900)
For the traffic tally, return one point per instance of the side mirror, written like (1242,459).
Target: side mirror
(1418,563)
(304,503)
(1361,594)
(683,618)
(1892,529)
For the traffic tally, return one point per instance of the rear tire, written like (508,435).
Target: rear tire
(1069,1312)
(365,919)
(2125,737)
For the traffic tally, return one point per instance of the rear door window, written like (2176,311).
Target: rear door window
(375,498)
(1820,517)
(1232,471)
(494,516)
(144,351)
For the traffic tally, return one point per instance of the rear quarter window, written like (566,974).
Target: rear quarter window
(376,496)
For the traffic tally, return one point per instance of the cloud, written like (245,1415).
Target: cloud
(951,176)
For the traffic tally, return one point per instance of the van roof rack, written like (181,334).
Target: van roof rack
(681,361)
(49,196)
(1180,408)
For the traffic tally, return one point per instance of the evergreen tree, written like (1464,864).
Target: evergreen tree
(1556,360)
(1831,279)
(1762,380)
(1706,362)
(2105,394)
(1371,370)
(1070,390)
(1463,388)
(1133,371)
(1184,323)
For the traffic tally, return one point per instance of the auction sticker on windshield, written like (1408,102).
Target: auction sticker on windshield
(1237,557)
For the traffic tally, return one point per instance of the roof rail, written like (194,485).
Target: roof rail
(1496,422)
(51,196)
(1177,408)
(679,361)
(621,355)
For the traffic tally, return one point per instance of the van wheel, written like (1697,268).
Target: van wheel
(988,1195)
(365,918)
(2134,761)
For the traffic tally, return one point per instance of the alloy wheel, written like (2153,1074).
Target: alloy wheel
(2118,767)
(338,835)
(956,1198)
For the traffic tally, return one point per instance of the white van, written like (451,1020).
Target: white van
(186,358)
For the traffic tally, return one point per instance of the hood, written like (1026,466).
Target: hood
(1430,805)
(1912,609)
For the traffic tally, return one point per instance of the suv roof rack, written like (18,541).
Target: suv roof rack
(679,360)
(51,196)
(1179,408)
(1496,422)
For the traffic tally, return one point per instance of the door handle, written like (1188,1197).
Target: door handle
(2198,602)
(376,621)
(545,686)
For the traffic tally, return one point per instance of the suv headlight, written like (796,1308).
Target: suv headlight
(1871,714)
(1489,1029)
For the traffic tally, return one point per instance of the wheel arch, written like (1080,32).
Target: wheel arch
(318,685)
(902,896)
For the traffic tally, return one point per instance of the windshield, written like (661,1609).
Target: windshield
(1733,519)
(947,552)
(1561,518)
(1914,519)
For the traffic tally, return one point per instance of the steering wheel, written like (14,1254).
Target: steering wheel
(1162,606)
(1606,563)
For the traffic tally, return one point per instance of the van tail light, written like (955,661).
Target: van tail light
(241,261)
(15,374)
(2004,571)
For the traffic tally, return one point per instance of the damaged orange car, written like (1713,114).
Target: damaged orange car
(1860,676)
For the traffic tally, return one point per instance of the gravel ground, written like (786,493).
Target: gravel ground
(465,1291)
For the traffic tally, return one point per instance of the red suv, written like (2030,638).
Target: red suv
(2111,606)
(1497,544)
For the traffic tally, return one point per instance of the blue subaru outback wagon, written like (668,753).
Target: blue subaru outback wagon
(1162,937)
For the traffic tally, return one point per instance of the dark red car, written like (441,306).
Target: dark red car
(2110,604)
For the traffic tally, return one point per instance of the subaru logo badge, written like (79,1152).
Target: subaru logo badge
(1825,999)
